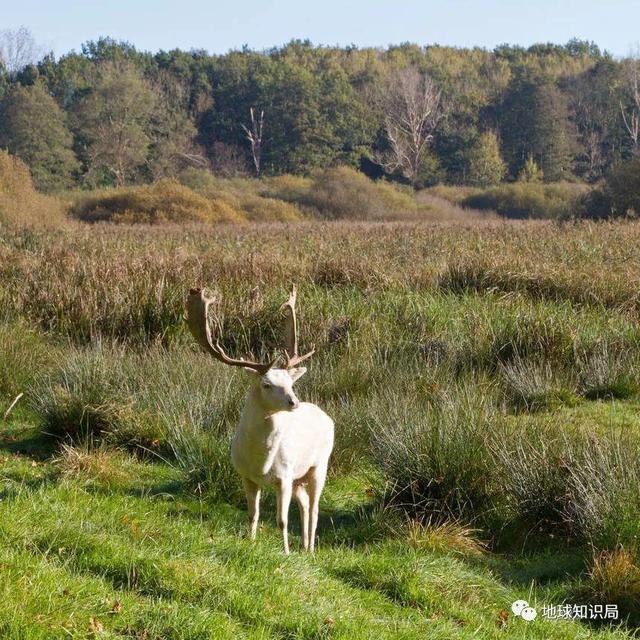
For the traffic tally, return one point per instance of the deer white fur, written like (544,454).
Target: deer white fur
(279,440)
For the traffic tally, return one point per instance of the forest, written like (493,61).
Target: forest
(111,115)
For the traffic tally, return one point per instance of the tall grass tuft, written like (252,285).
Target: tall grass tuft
(176,404)
(432,455)
(608,371)
(614,578)
(533,385)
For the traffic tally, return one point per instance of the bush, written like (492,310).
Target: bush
(20,204)
(618,197)
(344,193)
(163,201)
(529,200)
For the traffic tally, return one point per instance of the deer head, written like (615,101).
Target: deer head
(274,385)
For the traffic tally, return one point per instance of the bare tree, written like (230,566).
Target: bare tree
(630,109)
(413,107)
(18,49)
(254,135)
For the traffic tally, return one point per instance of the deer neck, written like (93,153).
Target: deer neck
(255,416)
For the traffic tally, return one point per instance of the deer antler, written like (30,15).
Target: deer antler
(291,332)
(197,321)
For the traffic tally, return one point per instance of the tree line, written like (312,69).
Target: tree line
(112,115)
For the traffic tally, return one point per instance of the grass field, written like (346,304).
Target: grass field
(483,376)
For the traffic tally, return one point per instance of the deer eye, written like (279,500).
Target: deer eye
(266,385)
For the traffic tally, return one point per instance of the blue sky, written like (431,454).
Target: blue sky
(62,25)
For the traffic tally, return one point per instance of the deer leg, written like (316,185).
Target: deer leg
(283,496)
(317,478)
(252,491)
(302,497)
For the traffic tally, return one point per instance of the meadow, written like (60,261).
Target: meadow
(482,374)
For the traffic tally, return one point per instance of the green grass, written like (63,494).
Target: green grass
(483,382)
(122,549)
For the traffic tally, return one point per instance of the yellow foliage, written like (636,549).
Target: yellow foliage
(164,201)
(20,204)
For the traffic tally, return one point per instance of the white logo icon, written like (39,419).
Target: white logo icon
(521,608)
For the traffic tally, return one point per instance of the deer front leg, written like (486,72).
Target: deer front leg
(302,497)
(317,479)
(252,491)
(283,496)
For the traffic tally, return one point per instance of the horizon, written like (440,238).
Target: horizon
(196,25)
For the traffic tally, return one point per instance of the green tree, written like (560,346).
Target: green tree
(485,164)
(530,171)
(114,119)
(34,128)
(535,122)
(171,130)
(594,102)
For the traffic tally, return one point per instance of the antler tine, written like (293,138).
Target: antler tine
(197,321)
(291,332)
(291,324)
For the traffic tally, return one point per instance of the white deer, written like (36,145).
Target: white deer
(279,440)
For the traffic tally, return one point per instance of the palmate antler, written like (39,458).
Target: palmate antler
(197,321)
(291,333)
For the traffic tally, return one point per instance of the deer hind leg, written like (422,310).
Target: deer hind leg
(252,491)
(317,477)
(300,492)
(284,489)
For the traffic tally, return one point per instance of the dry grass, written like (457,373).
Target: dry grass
(444,537)
(130,282)
(99,463)
(614,578)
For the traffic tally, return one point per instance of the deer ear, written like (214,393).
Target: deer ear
(297,373)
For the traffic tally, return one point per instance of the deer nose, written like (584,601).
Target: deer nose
(293,403)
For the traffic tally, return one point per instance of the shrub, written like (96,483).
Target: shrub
(164,201)
(529,200)
(455,194)
(20,204)
(287,187)
(259,209)
(618,197)
(344,193)
(243,194)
